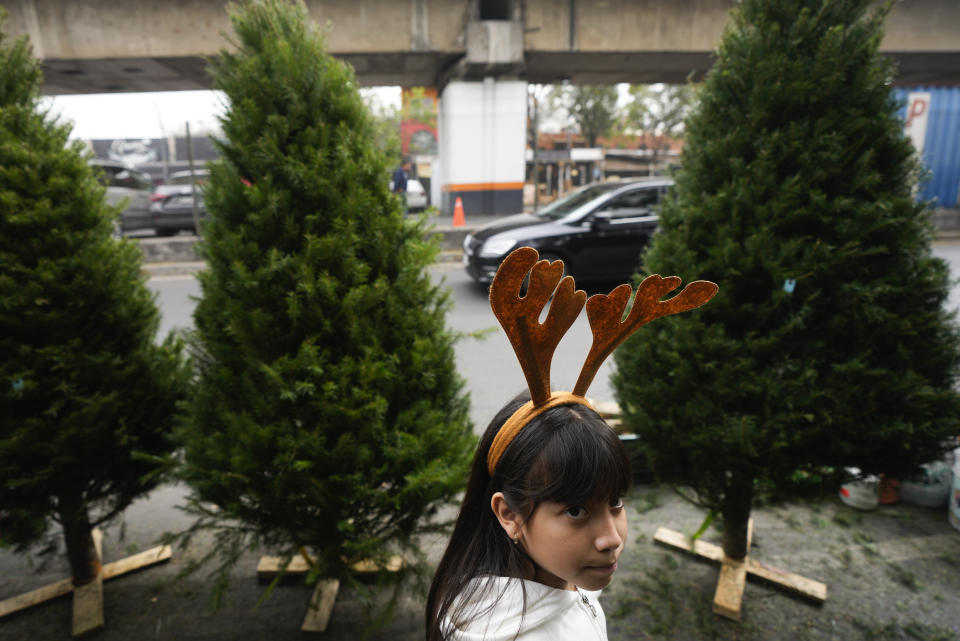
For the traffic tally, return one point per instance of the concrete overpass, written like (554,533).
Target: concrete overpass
(102,46)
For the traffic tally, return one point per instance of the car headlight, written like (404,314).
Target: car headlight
(497,247)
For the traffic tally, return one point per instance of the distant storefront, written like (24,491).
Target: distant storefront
(418,133)
(563,162)
(932,121)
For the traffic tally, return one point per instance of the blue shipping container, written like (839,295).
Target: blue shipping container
(941,147)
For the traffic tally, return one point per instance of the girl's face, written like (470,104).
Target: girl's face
(575,545)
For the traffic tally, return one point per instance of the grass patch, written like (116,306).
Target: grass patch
(866,543)
(791,519)
(908,630)
(846,518)
(903,577)
(895,513)
(655,596)
(844,555)
(950,559)
(647,502)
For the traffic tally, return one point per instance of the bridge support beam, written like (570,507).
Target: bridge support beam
(482,134)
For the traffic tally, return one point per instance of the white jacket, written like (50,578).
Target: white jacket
(551,614)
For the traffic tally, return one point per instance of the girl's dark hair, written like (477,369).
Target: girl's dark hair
(567,454)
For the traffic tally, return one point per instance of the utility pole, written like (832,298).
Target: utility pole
(193,182)
(535,123)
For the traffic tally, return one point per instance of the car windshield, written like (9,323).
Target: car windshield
(568,204)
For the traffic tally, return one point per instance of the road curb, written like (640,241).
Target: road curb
(177,255)
(187,268)
(180,268)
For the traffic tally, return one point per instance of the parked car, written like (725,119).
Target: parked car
(171,207)
(598,230)
(179,183)
(175,213)
(129,187)
(416,195)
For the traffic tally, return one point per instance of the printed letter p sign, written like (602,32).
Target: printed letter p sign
(918,108)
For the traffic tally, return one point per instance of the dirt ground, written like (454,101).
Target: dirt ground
(891,574)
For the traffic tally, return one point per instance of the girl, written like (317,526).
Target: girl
(537,540)
(542,522)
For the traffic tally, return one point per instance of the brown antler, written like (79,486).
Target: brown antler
(534,342)
(606,311)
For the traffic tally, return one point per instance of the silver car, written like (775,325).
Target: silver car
(178,183)
(416,195)
(130,188)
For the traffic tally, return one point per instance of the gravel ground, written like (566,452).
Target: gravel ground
(891,574)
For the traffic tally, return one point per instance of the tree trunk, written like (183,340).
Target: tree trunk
(77,534)
(736,516)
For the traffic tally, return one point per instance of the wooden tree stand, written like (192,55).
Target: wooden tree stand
(87,599)
(733,573)
(325,594)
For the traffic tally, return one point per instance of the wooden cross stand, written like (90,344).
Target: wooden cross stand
(325,593)
(87,599)
(729,595)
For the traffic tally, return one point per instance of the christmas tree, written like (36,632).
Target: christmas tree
(829,344)
(327,414)
(88,397)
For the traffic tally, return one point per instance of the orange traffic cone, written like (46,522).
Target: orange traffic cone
(458,219)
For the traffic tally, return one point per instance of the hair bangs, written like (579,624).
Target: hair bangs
(580,460)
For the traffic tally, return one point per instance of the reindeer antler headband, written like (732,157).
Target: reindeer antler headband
(534,342)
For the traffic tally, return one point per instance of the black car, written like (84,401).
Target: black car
(598,230)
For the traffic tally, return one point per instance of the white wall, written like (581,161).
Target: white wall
(483,132)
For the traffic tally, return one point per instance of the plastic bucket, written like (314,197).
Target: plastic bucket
(860,492)
(953,515)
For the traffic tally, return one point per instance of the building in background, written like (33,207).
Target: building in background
(418,135)
(158,157)
(564,162)
(932,121)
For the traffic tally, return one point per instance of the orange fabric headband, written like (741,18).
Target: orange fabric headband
(534,342)
(519,419)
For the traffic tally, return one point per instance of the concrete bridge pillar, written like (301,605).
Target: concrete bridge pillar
(482,130)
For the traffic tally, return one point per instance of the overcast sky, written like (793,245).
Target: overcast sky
(162,114)
(158,114)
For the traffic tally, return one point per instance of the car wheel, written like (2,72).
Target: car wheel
(167,232)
